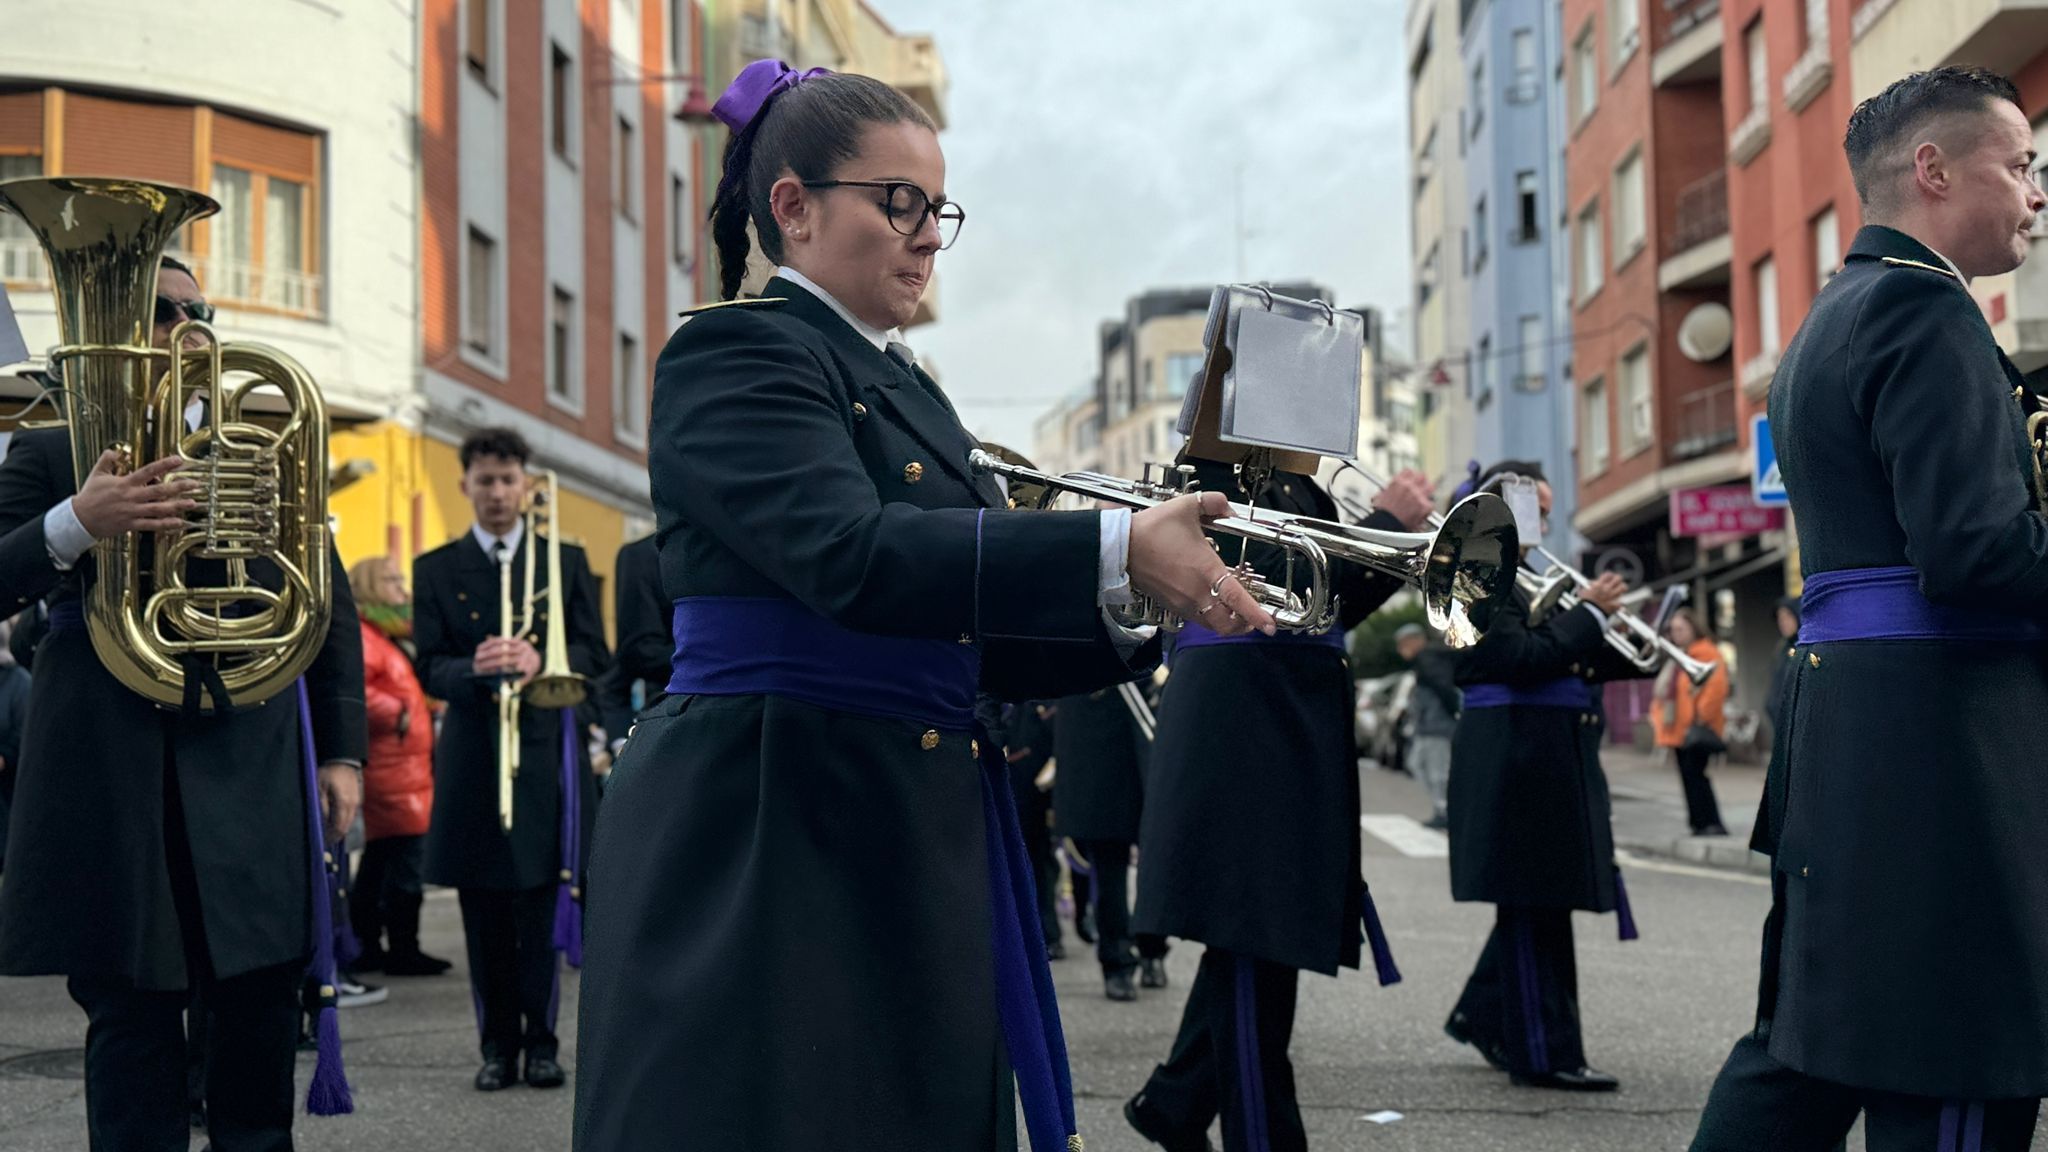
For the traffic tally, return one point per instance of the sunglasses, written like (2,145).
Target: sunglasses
(169,311)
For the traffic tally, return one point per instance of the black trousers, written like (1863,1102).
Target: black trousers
(1115,946)
(512,968)
(1759,1103)
(1216,1066)
(1522,1000)
(387,894)
(1701,809)
(136,1053)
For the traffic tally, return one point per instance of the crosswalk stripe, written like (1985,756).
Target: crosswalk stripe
(1406,835)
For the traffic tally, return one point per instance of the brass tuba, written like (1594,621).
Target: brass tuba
(155,621)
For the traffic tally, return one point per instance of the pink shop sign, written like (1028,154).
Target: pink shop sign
(1727,510)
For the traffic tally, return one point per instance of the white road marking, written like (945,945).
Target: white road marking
(1406,835)
(1651,864)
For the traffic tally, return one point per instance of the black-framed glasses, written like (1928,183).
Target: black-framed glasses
(169,311)
(907,206)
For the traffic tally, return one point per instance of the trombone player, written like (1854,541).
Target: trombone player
(509,880)
(159,851)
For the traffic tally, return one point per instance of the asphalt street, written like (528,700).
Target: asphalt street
(1659,1012)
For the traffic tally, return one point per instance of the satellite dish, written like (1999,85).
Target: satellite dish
(1706,332)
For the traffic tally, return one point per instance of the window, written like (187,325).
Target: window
(21,258)
(622,192)
(561,96)
(1628,206)
(1585,74)
(1625,25)
(1479,382)
(562,350)
(1816,12)
(476,39)
(1425,161)
(682,221)
(1525,59)
(1635,398)
(1478,96)
(629,395)
(1592,259)
(1758,63)
(1767,306)
(679,51)
(1532,375)
(1182,370)
(1432,273)
(1827,248)
(1593,448)
(480,318)
(1480,233)
(1528,220)
(259,246)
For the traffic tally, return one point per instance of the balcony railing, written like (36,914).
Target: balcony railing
(1702,211)
(226,282)
(1706,421)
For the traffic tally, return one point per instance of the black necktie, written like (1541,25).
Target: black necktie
(901,354)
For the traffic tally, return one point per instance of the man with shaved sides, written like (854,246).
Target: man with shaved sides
(1905,958)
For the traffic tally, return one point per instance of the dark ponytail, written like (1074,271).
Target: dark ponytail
(808,130)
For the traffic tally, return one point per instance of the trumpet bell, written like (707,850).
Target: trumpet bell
(557,690)
(1471,568)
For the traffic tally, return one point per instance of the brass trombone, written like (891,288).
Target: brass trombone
(1557,590)
(1469,560)
(556,685)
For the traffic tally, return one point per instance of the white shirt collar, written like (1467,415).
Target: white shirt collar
(873,335)
(1951,265)
(488,542)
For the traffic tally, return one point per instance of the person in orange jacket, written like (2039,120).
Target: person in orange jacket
(398,780)
(1691,721)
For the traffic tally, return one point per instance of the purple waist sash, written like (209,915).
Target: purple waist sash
(1195,634)
(747,646)
(1886,604)
(1563,692)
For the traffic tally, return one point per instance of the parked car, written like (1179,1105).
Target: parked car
(1381,713)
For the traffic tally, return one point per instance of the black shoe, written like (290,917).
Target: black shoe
(496,1074)
(1576,1080)
(1711,830)
(1084,924)
(1117,986)
(1152,972)
(1055,950)
(414,964)
(1460,1029)
(1438,823)
(543,1072)
(1146,1121)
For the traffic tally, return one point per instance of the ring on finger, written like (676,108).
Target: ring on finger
(1205,609)
(1216,589)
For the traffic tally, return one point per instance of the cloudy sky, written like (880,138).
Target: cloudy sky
(1094,144)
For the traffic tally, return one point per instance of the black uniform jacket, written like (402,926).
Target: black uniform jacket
(646,639)
(1907,800)
(1099,788)
(456,608)
(1529,811)
(87,889)
(1250,827)
(789,933)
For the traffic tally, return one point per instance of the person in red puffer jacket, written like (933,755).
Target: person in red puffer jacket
(398,779)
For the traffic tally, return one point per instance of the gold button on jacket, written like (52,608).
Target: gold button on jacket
(930,739)
(913,472)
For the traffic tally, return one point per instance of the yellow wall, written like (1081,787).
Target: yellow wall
(407,463)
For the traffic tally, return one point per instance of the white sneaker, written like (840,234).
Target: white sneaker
(350,992)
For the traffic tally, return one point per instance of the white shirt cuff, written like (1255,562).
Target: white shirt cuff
(64,537)
(1599,617)
(1115,588)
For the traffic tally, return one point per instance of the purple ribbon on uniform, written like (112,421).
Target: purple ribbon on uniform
(568,938)
(1563,692)
(749,646)
(1195,634)
(1887,604)
(328,1094)
(751,90)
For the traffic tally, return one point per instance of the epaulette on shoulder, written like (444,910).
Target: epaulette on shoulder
(1898,262)
(742,302)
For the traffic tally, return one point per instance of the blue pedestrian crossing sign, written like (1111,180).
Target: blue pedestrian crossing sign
(1766,485)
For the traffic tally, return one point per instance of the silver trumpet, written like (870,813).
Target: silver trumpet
(1557,591)
(1470,559)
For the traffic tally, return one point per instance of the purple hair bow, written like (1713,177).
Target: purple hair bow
(754,86)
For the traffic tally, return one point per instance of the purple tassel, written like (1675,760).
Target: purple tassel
(1376,936)
(568,938)
(347,949)
(1625,920)
(329,1093)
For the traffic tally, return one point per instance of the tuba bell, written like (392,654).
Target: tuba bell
(171,607)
